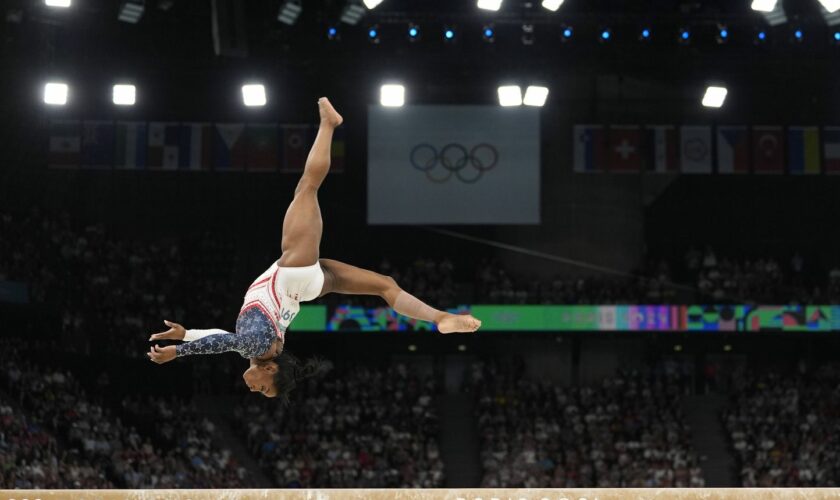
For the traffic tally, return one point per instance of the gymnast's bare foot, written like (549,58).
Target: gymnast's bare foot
(452,323)
(329,116)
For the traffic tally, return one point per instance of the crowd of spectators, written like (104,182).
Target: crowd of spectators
(765,279)
(77,441)
(626,432)
(783,427)
(359,427)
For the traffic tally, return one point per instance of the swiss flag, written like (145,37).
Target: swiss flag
(768,150)
(625,153)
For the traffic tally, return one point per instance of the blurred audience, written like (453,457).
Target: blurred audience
(783,427)
(359,427)
(627,432)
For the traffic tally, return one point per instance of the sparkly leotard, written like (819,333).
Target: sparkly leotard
(271,303)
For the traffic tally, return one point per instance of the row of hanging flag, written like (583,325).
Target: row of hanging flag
(691,149)
(129,145)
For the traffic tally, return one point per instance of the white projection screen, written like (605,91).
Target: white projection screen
(453,165)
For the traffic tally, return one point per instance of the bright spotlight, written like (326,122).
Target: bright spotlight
(722,34)
(413,32)
(449,34)
(606,35)
(124,95)
(764,5)
(488,33)
(332,33)
(392,95)
(552,5)
(714,97)
(57,3)
(510,95)
(373,34)
(836,37)
(370,4)
(798,35)
(253,95)
(55,93)
(645,34)
(535,96)
(831,6)
(567,33)
(760,37)
(489,4)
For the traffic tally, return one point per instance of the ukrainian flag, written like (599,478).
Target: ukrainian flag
(804,150)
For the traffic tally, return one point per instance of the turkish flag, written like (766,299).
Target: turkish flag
(768,150)
(624,150)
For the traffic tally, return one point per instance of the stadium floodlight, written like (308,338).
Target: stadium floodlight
(831,6)
(289,12)
(535,96)
(764,5)
(772,11)
(55,93)
(57,3)
(510,95)
(392,95)
(552,5)
(131,11)
(489,4)
(830,11)
(714,97)
(124,95)
(352,13)
(253,94)
(371,4)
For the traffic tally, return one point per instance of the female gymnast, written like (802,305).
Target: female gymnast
(273,299)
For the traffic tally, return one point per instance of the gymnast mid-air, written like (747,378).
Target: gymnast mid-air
(274,298)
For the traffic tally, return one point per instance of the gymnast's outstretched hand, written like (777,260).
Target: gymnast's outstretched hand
(175,332)
(161,355)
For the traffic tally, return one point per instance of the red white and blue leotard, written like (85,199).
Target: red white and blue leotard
(271,303)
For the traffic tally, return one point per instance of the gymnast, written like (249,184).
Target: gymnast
(274,298)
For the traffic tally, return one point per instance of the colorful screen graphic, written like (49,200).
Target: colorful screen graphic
(617,318)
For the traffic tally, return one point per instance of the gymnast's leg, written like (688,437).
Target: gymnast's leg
(302,225)
(344,278)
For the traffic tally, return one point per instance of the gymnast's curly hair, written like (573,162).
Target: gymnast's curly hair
(291,371)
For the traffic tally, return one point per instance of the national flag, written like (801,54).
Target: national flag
(195,145)
(831,149)
(297,140)
(733,149)
(65,144)
(768,150)
(164,142)
(131,145)
(590,151)
(661,148)
(97,144)
(263,142)
(229,146)
(625,153)
(696,149)
(338,150)
(803,146)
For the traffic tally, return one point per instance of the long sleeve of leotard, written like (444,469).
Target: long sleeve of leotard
(248,345)
(200,334)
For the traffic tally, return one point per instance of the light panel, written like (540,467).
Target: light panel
(55,93)
(124,95)
(392,95)
(57,3)
(535,96)
(489,4)
(510,95)
(253,94)
(552,5)
(714,97)
(764,5)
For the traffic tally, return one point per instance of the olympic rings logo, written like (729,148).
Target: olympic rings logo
(467,166)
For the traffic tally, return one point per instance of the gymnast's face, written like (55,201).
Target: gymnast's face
(259,377)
